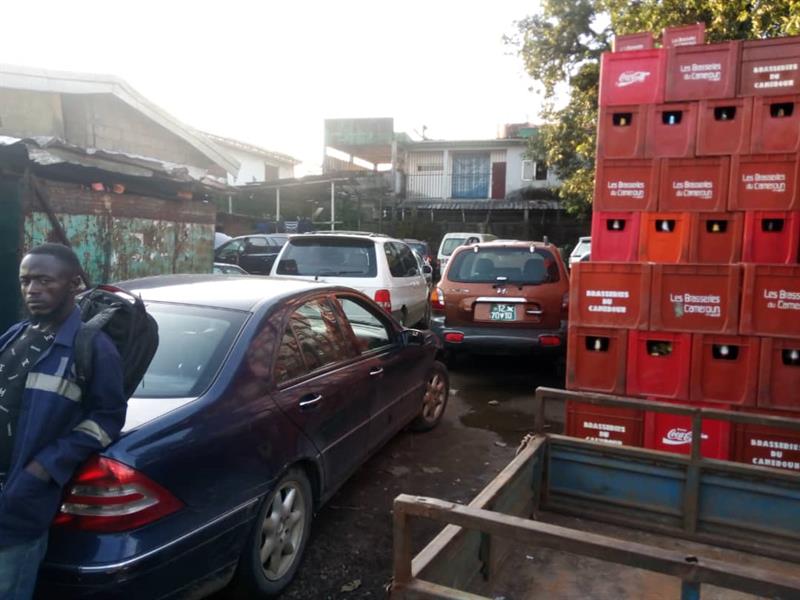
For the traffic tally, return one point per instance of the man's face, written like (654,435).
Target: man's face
(48,287)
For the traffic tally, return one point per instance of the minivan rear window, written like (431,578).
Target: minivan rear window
(451,244)
(328,256)
(514,265)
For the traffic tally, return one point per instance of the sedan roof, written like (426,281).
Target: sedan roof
(238,292)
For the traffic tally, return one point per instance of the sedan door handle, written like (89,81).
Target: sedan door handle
(310,400)
(378,371)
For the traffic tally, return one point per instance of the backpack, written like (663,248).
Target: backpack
(124,318)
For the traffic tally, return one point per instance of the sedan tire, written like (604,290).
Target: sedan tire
(434,401)
(275,547)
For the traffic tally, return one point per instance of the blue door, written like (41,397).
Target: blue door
(471,176)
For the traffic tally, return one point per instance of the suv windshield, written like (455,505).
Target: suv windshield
(328,256)
(192,343)
(451,244)
(515,265)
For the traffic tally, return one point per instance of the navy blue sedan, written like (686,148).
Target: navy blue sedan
(263,397)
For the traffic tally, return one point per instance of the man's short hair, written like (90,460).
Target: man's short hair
(63,253)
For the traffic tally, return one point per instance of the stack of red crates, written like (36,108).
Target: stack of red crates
(692,294)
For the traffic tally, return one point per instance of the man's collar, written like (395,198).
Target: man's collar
(68,329)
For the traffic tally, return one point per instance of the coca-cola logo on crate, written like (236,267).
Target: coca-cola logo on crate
(678,436)
(630,77)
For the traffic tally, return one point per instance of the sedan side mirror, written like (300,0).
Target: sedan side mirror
(413,337)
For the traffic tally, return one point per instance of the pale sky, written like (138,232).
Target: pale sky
(269,73)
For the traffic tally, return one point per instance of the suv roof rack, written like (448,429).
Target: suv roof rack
(341,232)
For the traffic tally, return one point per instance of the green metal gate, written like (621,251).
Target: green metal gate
(10,229)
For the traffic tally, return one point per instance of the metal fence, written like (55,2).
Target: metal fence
(469,186)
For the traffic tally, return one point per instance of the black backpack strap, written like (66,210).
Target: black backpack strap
(84,344)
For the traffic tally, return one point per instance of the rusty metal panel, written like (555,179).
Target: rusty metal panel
(124,236)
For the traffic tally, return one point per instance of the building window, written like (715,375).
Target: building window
(428,168)
(271,172)
(534,170)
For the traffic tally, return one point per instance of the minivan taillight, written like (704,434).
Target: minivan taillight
(437,299)
(108,496)
(383,298)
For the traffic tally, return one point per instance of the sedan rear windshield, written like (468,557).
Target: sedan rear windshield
(330,256)
(514,265)
(192,344)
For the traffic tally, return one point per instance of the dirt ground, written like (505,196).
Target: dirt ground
(490,409)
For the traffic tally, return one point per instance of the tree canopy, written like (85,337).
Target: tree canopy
(560,47)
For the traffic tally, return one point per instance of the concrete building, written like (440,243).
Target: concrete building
(102,112)
(256,164)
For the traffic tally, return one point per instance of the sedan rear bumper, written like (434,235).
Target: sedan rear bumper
(499,340)
(204,559)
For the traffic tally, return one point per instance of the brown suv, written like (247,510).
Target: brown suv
(502,297)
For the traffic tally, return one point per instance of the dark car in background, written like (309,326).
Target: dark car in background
(264,396)
(503,298)
(254,253)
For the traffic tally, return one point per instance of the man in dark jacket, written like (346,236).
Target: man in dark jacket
(49,423)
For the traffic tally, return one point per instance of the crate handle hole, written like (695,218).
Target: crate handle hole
(615,224)
(622,119)
(659,348)
(716,226)
(724,113)
(724,352)
(597,344)
(672,117)
(791,357)
(772,225)
(781,110)
(665,225)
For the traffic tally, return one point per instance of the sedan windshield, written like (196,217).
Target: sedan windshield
(514,265)
(329,256)
(192,343)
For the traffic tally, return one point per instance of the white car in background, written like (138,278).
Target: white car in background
(451,241)
(383,268)
(581,250)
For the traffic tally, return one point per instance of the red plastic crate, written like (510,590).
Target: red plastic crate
(626,184)
(633,41)
(716,238)
(673,433)
(659,364)
(615,236)
(696,298)
(628,78)
(764,182)
(612,295)
(664,237)
(596,359)
(724,369)
(771,237)
(779,374)
(616,426)
(672,130)
(771,301)
(723,126)
(767,446)
(685,35)
(776,125)
(621,131)
(770,67)
(694,184)
(702,72)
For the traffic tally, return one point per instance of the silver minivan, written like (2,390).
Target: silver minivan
(451,241)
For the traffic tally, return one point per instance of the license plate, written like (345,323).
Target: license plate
(502,312)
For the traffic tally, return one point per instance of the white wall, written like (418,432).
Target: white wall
(252,167)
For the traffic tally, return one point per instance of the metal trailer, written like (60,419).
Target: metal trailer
(753,510)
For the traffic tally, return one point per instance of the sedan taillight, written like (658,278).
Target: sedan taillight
(108,496)
(383,298)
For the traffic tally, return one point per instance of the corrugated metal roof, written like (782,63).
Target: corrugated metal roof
(252,149)
(486,205)
(64,82)
(49,151)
